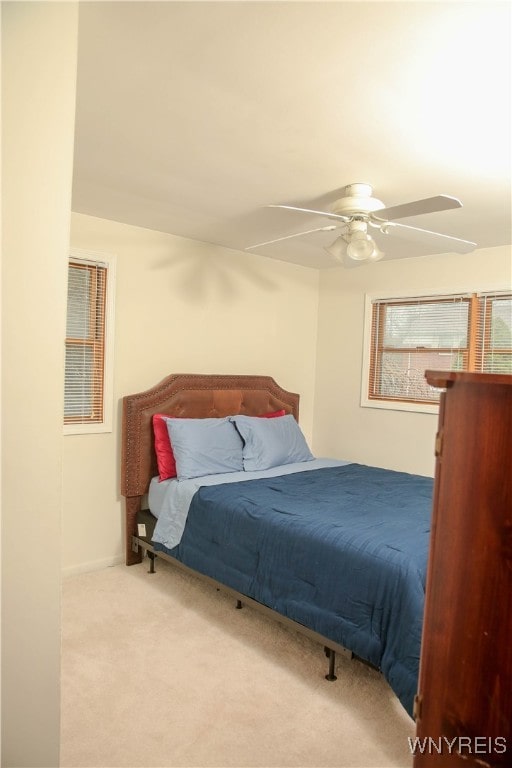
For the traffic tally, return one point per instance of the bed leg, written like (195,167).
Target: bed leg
(239,604)
(332,659)
(133,551)
(152,558)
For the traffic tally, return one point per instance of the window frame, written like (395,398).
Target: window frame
(439,294)
(93,258)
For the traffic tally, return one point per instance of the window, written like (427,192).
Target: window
(88,368)
(467,332)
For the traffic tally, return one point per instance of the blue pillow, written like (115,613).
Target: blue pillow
(271,442)
(205,446)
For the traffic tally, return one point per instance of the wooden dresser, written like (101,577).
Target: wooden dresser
(464,702)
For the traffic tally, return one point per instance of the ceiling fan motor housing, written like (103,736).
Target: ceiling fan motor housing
(358,200)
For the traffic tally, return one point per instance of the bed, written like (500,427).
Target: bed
(336,550)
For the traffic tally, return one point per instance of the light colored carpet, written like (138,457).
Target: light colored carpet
(162,671)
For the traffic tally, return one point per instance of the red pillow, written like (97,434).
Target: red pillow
(163,449)
(164,454)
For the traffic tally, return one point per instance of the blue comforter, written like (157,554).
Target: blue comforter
(341,550)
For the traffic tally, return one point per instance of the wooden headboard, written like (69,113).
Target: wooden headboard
(190,396)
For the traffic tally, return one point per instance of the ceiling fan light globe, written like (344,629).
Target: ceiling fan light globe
(360,248)
(336,249)
(376,255)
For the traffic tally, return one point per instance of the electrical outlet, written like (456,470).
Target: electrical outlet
(141,527)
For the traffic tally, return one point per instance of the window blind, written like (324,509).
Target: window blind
(494,333)
(85,342)
(411,335)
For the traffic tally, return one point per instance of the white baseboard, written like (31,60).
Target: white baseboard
(93,565)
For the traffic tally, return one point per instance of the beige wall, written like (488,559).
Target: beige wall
(39,47)
(391,439)
(181,307)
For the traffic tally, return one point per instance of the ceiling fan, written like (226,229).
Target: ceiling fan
(357,213)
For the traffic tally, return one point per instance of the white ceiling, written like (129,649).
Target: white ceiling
(192,116)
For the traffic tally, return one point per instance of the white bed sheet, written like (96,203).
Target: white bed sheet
(169,500)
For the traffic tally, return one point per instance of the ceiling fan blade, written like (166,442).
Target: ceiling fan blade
(287,237)
(309,210)
(429,205)
(455,244)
